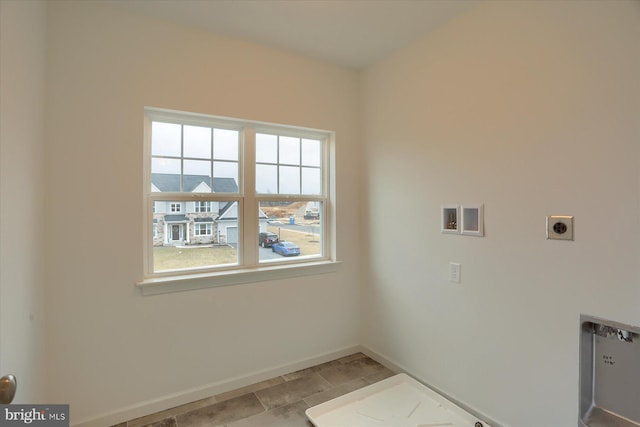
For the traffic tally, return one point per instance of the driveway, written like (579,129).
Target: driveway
(267,253)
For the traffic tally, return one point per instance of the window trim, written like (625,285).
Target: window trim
(190,282)
(198,206)
(208,229)
(245,271)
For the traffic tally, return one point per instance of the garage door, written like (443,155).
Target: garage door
(232,234)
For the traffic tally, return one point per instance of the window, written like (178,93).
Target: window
(203,206)
(213,185)
(290,168)
(203,229)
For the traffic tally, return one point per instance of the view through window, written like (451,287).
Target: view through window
(200,189)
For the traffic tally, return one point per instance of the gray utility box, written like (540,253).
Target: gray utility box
(609,373)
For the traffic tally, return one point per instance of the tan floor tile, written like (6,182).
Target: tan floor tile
(379,376)
(160,416)
(292,415)
(312,370)
(277,402)
(222,413)
(292,391)
(359,368)
(332,393)
(352,357)
(249,389)
(169,422)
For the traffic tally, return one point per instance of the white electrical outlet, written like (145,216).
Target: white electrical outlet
(454,272)
(560,227)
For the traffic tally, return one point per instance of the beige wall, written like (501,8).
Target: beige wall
(531,108)
(109,346)
(22,78)
(528,107)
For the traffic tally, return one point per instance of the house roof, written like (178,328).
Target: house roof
(227,209)
(167,182)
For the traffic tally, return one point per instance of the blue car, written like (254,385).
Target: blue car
(286,248)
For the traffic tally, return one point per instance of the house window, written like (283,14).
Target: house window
(203,229)
(203,207)
(261,178)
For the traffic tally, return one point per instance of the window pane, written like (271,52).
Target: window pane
(165,139)
(311,183)
(288,153)
(289,150)
(160,165)
(197,176)
(289,180)
(197,167)
(165,175)
(298,223)
(186,239)
(225,170)
(225,144)
(225,177)
(266,148)
(311,152)
(266,179)
(197,142)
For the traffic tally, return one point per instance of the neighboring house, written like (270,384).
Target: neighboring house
(195,222)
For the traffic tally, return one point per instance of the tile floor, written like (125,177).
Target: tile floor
(278,402)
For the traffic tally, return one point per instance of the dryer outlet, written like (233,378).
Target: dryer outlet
(560,227)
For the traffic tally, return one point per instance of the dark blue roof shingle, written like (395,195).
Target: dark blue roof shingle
(167,182)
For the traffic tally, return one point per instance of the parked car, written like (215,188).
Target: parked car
(311,214)
(286,248)
(267,239)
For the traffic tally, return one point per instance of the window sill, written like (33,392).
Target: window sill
(190,282)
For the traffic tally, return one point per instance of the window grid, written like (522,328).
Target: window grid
(245,133)
(182,158)
(300,165)
(203,229)
(201,207)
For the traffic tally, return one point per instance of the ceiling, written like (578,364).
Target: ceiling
(351,33)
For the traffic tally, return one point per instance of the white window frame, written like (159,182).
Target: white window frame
(197,231)
(198,207)
(175,207)
(249,269)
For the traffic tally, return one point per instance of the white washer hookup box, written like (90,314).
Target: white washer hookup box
(398,401)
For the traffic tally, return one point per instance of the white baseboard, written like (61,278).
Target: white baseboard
(383,360)
(186,396)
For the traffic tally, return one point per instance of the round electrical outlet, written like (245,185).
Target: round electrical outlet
(560,227)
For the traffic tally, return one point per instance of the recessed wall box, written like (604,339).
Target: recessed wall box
(473,220)
(609,373)
(560,227)
(450,219)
